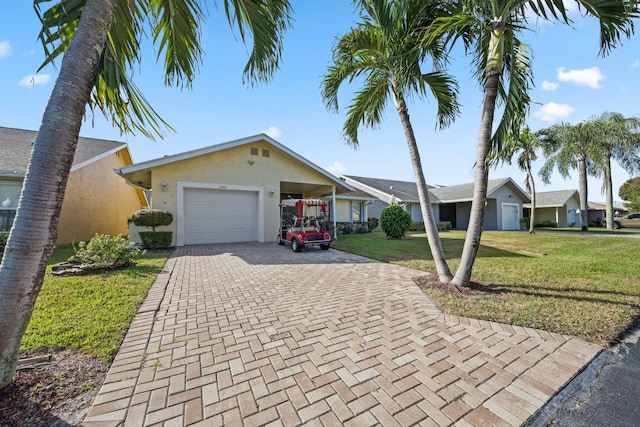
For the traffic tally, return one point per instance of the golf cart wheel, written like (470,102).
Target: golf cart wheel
(296,245)
(279,239)
(617,225)
(324,246)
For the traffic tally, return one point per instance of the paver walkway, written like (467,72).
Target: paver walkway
(255,334)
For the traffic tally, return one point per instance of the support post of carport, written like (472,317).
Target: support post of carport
(333,212)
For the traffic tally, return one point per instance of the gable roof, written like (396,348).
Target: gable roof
(16,146)
(407,192)
(146,166)
(553,199)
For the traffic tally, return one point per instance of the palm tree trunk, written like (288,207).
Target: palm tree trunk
(430,226)
(34,230)
(532,185)
(609,191)
(476,217)
(582,183)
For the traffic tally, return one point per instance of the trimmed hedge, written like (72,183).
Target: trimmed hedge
(156,239)
(152,218)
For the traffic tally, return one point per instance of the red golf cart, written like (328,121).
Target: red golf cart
(301,224)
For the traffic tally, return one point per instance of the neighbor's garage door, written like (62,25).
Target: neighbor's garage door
(510,217)
(220,216)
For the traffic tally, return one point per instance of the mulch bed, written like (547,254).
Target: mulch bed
(431,281)
(56,393)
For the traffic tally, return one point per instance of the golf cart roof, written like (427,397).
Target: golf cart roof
(306,202)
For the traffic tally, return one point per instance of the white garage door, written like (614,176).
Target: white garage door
(220,216)
(510,217)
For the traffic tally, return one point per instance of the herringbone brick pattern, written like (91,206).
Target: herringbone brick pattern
(255,334)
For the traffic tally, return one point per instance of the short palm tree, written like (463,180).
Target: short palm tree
(490,31)
(568,147)
(524,147)
(99,41)
(384,50)
(618,138)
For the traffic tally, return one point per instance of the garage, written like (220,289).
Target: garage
(510,217)
(220,216)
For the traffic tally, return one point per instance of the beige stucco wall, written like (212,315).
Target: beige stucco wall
(235,167)
(97,200)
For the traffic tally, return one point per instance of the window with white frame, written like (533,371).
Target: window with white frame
(357,211)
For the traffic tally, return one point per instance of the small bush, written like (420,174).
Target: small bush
(104,251)
(3,241)
(547,224)
(417,226)
(373,223)
(156,239)
(445,226)
(152,218)
(395,221)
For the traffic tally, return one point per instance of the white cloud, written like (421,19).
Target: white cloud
(272,131)
(5,49)
(636,64)
(588,77)
(551,111)
(336,168)
(550,86)
(38,79)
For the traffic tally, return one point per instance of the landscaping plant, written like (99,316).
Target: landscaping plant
(395,221)
(105,251)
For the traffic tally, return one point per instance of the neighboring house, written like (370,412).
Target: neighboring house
(449,203)
(598,211)
(560,206)
(353,206)
(231,192)
(96,199)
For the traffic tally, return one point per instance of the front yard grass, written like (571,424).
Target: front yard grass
(90,313)
(580,285)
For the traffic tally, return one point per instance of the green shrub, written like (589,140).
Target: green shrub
(395,221)
(373,223)
(417,226)
(156,239)
(105,250)
(3,241)
(445,226)
(548,223)
(152,218)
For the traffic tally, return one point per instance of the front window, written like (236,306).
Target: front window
(9,195)
(356,211)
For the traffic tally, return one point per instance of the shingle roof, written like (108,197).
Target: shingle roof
(15,149)
(401,190)
(408,191)
(552,199)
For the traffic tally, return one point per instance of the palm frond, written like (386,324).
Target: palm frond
(266,22)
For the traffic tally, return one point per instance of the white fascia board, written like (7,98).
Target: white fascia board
(96,158)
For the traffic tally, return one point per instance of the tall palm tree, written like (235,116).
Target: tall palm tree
(524,148)
(99,41)
(617,137)
(570,147)
(490,30)
(384,49)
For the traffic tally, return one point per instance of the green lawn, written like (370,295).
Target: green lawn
(90,313)
(570,283)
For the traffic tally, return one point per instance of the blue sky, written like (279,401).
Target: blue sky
(572,85)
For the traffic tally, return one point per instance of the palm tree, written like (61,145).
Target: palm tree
(99,41)
(384,49)
(490,30)
(523,147)
(570,147)
(617,137)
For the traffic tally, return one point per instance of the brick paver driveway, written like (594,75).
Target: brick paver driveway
(255,334)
